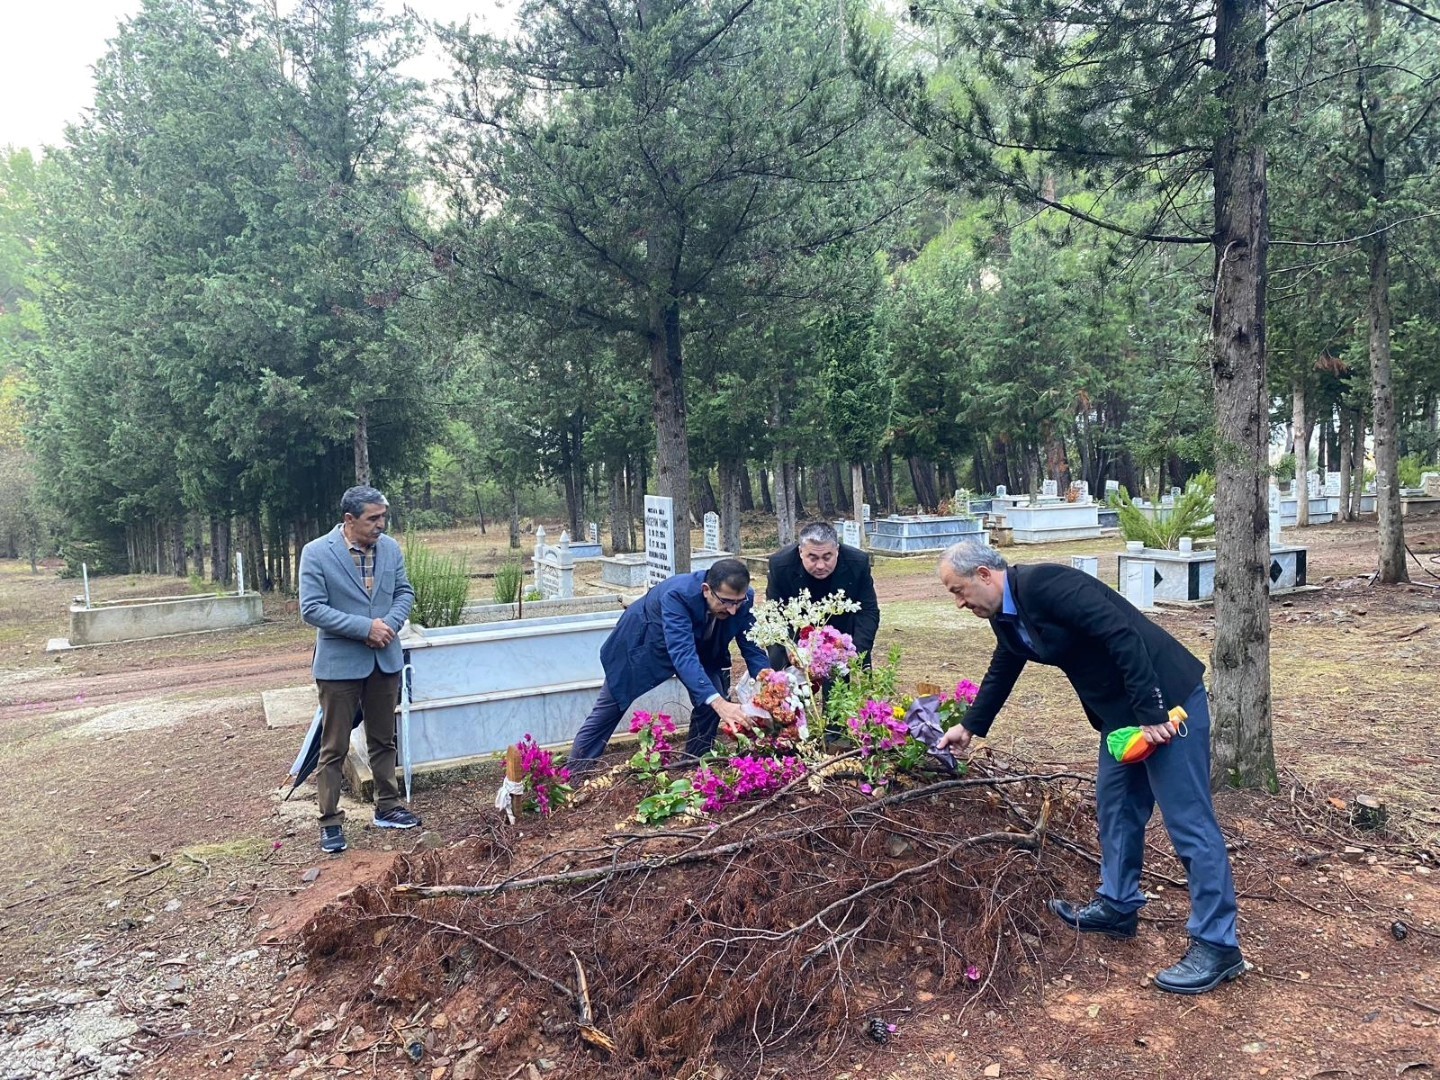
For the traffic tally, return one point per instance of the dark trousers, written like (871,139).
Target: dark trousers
(594,734)
(1177,777)
(376,696)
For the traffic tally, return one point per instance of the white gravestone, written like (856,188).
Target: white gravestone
(1430,484)
(594,532)
(1084,487)
(1139,583)
(659,538)
(1112,487)
(1050,489)
(850,533)
(1175,494)
(554,567)
(1274,516)
(864,511)
(1001,491)
(1332,485)
(712,532)
(1088,563)
(1313,486)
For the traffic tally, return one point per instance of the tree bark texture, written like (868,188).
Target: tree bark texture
(1391,539)
(672,445)
(362,446)
(1243,747)
(1357,455)
(1347,466)
(732,475)
(857,498)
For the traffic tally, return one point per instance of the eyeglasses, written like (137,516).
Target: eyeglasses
(733,605)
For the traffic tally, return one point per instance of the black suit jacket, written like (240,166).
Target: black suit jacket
(1125,668)
(787,577)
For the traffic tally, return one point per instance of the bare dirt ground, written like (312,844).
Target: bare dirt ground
(163,913)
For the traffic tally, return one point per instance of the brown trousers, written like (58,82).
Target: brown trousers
(376,696)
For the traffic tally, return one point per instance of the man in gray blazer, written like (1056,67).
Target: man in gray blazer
(354,591)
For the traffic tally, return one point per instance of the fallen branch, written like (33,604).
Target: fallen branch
(588,1031)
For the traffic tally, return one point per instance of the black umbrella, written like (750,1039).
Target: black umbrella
(309,755)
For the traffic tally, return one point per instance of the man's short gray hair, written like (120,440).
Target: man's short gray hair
(968,556)
(354,501)
(819,532)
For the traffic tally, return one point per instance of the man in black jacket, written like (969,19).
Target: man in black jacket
(1127,671)
(821,564)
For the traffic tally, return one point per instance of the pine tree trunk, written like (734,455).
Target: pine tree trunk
(619,513)
(857,492)
(824,493)
(1347,466)
(1241,735)
(515,517)
(672,446)
(747,495)
(199,548)
(767,504)
(1301,426)
(1391,539)
(362,446)
(784,500)
(731,473)
(1357,455)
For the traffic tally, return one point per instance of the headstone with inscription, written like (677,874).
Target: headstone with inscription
(1001,491)
(1049,489)
(712,532)
(850,533)
(1112,487)
(864,511)
(594,532)
(1088,563)
(659,538)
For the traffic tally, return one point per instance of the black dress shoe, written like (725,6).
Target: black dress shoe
(1204,967)
(1097,917)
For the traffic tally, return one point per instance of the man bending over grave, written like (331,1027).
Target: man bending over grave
(1127,671)
(821,565)
(682,626)
(354,591)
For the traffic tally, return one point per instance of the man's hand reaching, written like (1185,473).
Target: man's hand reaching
(957,738)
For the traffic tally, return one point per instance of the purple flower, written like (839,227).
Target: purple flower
(972,973)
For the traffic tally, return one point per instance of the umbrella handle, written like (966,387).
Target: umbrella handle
(405,674)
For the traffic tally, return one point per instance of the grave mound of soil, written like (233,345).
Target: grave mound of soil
(808,920)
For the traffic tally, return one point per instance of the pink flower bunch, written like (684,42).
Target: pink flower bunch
(550,784)
(965,691)
(659,727)
(744,777)
(825,651)
(878,728)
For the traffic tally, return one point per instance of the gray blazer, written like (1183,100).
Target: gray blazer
(334,601)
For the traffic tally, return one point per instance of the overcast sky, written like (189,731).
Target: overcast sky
(47,49)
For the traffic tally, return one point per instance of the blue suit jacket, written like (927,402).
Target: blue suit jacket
(662,634)
(334,601)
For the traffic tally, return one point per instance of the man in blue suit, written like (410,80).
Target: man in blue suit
(354,591)
(683,626)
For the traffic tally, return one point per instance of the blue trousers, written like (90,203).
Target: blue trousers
(594,734)
(1177,777)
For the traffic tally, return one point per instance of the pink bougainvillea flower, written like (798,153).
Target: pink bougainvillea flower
(972,973)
